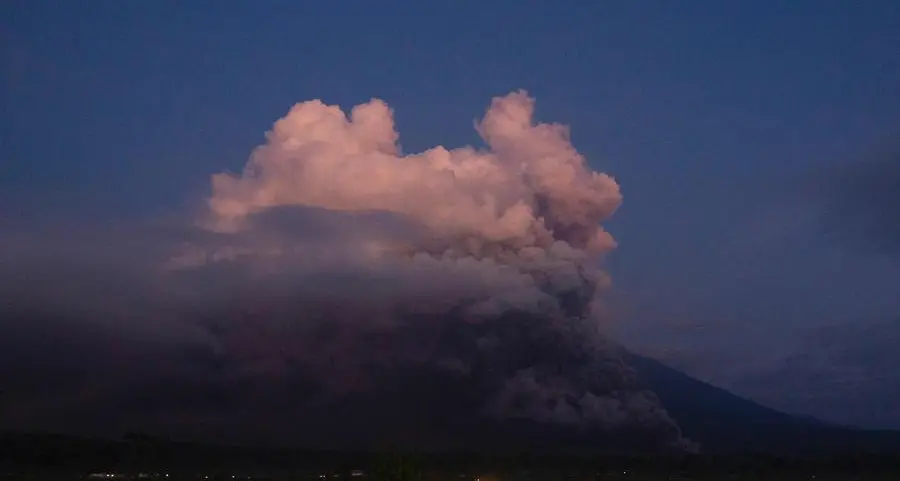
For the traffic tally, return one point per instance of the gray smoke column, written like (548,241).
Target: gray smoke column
(481,264)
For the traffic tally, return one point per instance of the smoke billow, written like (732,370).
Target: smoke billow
(333,268)
(502,244)
(529,203)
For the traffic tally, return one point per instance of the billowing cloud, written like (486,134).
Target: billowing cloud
(333,270)
(531,189)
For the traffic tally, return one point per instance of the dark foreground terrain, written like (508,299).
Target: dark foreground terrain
(41,456)
(739,439)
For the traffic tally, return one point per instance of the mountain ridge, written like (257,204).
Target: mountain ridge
(723,424)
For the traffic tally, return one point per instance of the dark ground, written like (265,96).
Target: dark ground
(40,456)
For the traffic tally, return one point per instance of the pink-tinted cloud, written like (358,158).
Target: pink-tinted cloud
(531,188)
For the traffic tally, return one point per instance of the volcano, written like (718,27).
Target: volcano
(723,424)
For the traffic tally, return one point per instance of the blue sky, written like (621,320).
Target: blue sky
(717,119)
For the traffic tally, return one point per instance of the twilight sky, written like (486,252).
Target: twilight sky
(756,145)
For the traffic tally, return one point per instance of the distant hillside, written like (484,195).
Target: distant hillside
(725,423)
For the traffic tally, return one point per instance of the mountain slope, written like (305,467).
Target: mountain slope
(443,411)
(725,423)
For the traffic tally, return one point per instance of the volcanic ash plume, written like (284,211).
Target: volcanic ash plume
(531,189)
(481,263)
(530,201)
